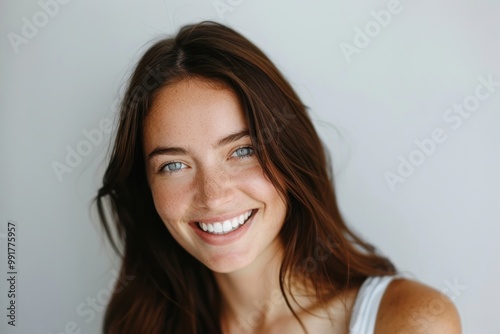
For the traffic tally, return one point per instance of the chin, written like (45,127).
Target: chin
(227,265)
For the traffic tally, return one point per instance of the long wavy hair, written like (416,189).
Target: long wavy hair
(172,292)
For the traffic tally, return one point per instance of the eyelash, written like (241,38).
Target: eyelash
(162,169)
(250,148)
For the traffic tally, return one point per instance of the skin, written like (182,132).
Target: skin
(203,179)
(412,307)
(211,180)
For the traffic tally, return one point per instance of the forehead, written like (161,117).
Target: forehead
(192,109)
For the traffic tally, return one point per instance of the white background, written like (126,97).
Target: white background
(441,225)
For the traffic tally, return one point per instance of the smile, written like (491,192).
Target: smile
(226,226)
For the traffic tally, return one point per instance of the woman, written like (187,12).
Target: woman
(222,197)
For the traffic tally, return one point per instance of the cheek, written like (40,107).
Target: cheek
(258,186)
(169,201)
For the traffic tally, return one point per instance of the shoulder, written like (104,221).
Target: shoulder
(411,307)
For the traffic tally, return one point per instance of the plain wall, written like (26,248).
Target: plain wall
(438,223)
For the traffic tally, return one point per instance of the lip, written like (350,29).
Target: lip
(223,239)
(219,219)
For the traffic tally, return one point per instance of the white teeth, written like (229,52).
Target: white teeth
(226,226)
(217,227)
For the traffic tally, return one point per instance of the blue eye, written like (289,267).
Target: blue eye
(172,167)
(243,152)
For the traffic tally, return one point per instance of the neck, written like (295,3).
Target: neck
(252,299)
(251,296)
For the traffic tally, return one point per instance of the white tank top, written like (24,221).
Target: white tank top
(365,308)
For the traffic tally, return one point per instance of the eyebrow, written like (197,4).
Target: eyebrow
(164,150)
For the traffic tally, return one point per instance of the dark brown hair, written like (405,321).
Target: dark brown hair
(172,292)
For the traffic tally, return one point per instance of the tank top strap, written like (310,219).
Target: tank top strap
(366,305)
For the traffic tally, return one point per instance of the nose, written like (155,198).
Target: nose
(214,189)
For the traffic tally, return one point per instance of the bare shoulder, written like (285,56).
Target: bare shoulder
(411,307)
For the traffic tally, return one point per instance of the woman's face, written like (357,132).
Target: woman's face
(207,184)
